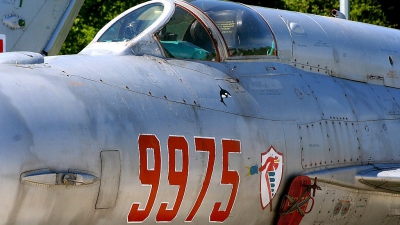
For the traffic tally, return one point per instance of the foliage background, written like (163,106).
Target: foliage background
(96,13)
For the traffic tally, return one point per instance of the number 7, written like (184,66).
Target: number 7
(208,145)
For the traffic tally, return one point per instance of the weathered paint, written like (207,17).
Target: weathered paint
(157,128)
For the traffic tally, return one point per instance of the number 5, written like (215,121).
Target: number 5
(229,177)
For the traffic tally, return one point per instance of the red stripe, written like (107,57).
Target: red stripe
(1,45)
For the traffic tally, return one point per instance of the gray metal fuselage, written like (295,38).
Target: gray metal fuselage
(87,114)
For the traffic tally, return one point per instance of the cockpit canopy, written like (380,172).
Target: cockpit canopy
(217,31)
(132,24)
(187,33)
(185,37)
(244,30)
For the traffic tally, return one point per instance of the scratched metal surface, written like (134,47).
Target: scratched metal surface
(160,126)
(341,48)
(74,117)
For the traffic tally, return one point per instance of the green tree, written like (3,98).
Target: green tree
(277,4)
(366,11)
(318,7)
(391,9)
(378,12)
(93,15)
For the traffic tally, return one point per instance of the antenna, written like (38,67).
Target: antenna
(344,8)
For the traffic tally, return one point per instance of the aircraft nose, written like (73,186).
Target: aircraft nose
(40,120)
(15,136)
(15,144)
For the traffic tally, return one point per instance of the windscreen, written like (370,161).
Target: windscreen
(131,25)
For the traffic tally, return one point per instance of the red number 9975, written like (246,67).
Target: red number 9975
(151,176)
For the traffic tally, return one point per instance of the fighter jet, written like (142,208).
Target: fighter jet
(38,26)
(206,112)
